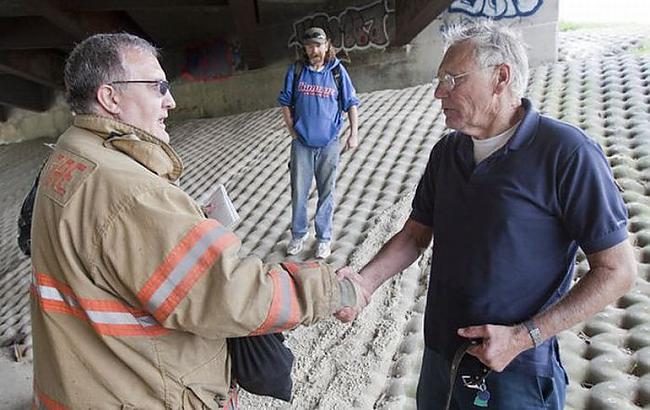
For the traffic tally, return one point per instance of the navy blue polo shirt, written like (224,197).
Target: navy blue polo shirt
(506,231)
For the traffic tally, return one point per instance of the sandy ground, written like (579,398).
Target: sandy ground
(16,382)
(374,362)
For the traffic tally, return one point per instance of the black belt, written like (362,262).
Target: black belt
(471,380)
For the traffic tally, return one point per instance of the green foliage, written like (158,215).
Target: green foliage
(643,48)
(570,26)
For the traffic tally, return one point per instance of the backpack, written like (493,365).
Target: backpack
(297,70)
(25,218)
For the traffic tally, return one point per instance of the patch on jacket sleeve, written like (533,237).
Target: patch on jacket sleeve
(64,173)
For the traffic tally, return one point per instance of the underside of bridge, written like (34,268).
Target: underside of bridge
(36,35)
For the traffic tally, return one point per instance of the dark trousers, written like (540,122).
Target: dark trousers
(509,390)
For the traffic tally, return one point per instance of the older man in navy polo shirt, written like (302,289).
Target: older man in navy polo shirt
(508,197)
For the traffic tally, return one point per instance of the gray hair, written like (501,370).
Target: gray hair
(494,44)
(95,61)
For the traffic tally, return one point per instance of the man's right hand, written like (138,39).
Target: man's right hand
(349,313)
(351,142)
(287,116)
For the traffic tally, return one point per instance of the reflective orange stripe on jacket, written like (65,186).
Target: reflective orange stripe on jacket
(283,314)
(294,267)
(42,402)
(184,266)
(107,317)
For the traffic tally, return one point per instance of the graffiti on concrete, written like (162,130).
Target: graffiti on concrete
(496,9)
(354,28)
(213,60)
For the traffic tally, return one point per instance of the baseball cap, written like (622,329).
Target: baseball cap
(314,35)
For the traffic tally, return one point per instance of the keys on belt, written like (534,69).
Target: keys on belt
(475,381)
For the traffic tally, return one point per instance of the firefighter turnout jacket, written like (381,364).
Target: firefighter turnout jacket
(134,291)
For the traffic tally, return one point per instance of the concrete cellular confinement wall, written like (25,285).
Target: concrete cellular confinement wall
(374,63)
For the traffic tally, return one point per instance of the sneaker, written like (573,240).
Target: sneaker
(295,246)
(323,250)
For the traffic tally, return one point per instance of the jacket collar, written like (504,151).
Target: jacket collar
(154,154)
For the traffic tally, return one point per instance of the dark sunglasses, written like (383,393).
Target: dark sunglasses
(163,85)
(312,36)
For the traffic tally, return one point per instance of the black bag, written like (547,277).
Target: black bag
(262,365)
(25,219)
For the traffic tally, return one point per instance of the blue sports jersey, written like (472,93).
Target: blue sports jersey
(316,115)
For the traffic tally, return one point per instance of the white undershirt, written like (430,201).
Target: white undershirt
(485,147)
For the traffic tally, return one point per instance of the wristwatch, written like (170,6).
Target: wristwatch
(534,332)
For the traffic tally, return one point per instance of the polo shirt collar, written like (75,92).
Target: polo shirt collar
(522,136)
(527,129)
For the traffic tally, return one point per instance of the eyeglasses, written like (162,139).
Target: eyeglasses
(163,85)
(448,82)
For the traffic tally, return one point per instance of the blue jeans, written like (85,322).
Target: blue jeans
(307,163)
(509,390)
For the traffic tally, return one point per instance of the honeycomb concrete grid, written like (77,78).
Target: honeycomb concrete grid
(600,84)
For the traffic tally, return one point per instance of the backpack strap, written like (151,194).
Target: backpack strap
(297,70)
(25,217)
(336,72)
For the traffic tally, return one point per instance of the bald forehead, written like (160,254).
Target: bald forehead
(141,63)
(135,53)
(459,57)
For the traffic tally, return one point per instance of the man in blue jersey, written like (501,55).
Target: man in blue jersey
(317,90)
(507,197)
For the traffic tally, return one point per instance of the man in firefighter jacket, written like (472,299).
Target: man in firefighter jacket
(134,291)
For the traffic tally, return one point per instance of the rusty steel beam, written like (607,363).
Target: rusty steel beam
(43,66)
(23,8)
(31,33)
(412,16)
(132,5)
(37,32)
(13,8)
(63,20)
(245,13)
(24,94)
(110,22)
(80,25)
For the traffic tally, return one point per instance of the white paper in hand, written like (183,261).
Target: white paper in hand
(218,205)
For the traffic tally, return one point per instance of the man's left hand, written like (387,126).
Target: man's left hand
(501,344)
